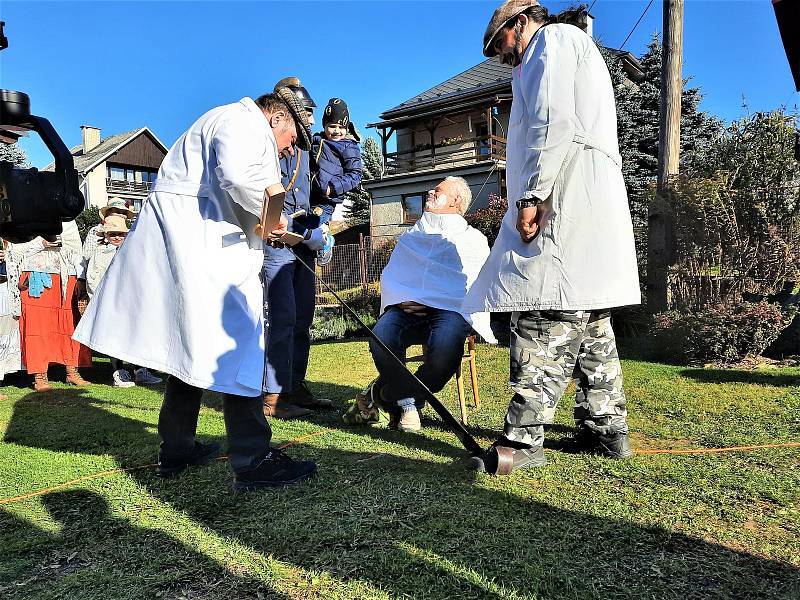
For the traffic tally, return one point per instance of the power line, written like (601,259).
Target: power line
(637,24)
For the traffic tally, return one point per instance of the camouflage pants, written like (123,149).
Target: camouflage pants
(548,348)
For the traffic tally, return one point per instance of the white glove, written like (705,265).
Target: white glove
(317,239)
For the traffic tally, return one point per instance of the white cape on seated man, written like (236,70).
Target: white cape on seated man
(422,288)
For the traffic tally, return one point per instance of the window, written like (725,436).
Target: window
(412,207)
(116,173)
(484,147)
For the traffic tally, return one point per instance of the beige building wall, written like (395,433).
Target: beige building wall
(94,187)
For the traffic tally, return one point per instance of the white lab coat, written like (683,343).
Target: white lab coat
(562,145)
(183,294)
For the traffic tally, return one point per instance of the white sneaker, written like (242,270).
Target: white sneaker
(409,421)
(145,377)
(122,379)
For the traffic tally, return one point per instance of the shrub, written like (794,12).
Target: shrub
(718,333)
(488,220)
(367,302)
(340,327)
(87,219)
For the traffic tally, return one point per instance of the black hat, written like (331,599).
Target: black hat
(293,83)
(298,112)
(336,112)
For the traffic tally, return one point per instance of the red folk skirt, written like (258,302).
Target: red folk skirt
(46,327)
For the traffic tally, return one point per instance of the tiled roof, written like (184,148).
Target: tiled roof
(487,74)
(107,147)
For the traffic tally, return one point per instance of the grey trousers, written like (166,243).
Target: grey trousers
(548,349)
(248,432)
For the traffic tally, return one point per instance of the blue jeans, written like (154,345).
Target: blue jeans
(290,294)
(442,331)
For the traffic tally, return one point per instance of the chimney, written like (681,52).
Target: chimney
(91,138)
(589,25)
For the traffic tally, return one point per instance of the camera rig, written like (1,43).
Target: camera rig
(34,202)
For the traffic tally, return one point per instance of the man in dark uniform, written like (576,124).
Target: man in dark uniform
(290,288)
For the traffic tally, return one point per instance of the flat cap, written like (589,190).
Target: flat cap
(507,11)
(299,115)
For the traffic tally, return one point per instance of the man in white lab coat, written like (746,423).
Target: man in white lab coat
(565,253)
(184,295)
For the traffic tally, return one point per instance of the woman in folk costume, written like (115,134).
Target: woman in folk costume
(565,253)
(43,277)
(10,352)
(183,294)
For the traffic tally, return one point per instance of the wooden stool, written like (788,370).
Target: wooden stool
(469,355)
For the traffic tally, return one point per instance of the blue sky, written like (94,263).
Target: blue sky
(123,65)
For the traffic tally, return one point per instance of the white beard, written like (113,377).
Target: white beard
(437,203)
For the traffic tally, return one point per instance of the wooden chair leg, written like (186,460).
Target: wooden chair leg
(473,373)
(461,402)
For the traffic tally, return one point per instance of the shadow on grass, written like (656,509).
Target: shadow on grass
(94,550)
(741,376)
(405,526)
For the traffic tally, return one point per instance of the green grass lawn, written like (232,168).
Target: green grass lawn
(394,515)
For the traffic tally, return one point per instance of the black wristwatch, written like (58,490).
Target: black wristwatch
(528,203)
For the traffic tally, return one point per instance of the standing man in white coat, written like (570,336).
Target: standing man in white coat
(565,253)
(184,294)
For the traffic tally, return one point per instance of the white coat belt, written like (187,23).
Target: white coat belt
(182,188)
(587,139)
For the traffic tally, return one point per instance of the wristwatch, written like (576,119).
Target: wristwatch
(528,203)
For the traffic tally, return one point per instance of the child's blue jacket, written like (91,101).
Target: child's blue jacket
(338,165)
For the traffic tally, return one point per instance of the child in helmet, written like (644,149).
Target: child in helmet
(337,165)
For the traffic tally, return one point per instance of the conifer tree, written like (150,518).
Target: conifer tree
(359,200)
(14,154)
(637,126)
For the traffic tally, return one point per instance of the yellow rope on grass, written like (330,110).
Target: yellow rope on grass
(307,436)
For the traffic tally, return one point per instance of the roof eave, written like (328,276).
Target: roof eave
(443,110)
(475,94)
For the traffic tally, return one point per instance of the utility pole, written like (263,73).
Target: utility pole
(660,244)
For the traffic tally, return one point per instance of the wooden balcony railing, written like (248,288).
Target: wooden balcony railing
(121,185)
(461,152)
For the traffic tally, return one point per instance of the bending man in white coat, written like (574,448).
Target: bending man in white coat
(184,295)
(565,253)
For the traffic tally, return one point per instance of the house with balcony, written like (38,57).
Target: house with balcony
(122,165)
(456,128)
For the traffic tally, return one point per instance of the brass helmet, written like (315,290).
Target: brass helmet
(293,83)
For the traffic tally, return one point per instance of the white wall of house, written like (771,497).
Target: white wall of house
(95,186)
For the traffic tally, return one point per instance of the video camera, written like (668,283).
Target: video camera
(34,203)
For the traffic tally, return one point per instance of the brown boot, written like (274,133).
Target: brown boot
(74,378)
(40,382)
(274,406)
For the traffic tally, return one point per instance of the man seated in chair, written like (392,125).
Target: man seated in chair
(422,288)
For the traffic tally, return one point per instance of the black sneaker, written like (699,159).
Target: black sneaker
(497,462)
(276,469)
(613,445)
(171,466)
